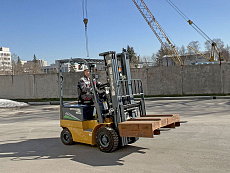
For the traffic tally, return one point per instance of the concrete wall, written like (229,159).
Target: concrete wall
(202,79)
(225,78)
(29,86)
(174,80)
(186,80)
(45,86)
(164,80)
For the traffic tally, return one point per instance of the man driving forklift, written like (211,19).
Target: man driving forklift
(85,88)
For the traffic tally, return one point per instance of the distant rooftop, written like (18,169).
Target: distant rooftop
(6,49)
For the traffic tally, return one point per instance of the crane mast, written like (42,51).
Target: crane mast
(161,35)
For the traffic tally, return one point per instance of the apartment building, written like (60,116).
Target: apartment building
(5,60)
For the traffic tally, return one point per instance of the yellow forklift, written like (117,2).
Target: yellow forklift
(118,115)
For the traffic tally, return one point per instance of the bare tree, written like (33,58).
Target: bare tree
(153,57)
(194,44)
(182,50)
(36,67)
(207,46)
(19,68)
(14,60)
(226,53)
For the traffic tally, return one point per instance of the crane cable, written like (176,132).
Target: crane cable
(85,20)
(190,22)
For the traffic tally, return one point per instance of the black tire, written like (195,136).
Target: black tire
(66,137)
(107,139)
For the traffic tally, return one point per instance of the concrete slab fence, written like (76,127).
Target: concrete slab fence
(173,80)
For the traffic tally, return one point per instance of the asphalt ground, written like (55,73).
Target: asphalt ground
(29,142)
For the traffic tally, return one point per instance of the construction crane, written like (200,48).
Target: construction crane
(161,35)
(214,48)
(200,53)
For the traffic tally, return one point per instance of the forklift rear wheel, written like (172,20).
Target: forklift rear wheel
(107,139)
(66,137)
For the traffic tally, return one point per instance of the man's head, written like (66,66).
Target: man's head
(86,72)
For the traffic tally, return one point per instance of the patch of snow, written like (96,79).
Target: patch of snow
(4,103)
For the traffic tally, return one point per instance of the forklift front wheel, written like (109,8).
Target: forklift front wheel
(66,137)
(107,139)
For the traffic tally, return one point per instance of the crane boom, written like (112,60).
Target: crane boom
(161,36)
(198,52)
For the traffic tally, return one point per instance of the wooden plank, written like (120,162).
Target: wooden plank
(136,125)
(136,134)
(158,115)
(138,128)
(163,121)
(145,119)
(143,131)
(175,117)
(130,127)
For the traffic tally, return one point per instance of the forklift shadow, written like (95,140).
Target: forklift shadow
(52,148)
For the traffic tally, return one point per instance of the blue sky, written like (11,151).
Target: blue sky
(53,29)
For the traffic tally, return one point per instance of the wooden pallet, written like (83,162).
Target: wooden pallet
(148,125)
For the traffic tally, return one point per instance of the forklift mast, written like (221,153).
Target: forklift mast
(122,88)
